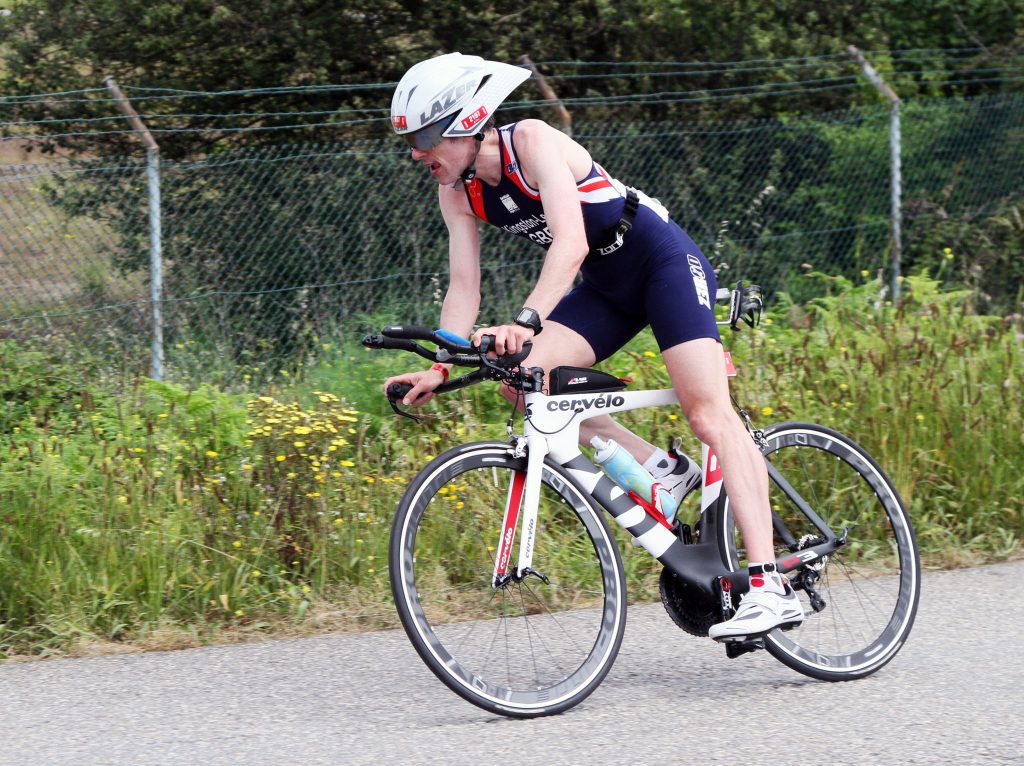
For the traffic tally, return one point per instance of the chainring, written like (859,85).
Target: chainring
(684,606)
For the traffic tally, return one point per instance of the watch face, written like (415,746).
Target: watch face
(524,315)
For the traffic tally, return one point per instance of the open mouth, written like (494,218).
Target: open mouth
(434,166)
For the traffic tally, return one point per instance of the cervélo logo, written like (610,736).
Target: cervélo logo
(474,118)
(599,402)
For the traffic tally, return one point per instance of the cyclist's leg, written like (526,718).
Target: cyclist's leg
(679,300)
(697,369)
(584,328)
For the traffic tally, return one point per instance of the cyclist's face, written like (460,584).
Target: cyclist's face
(447,159)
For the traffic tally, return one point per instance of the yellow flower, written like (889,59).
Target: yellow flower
(649,354)
(766,411)
(237,543)
(239,613)
(210,453)
(347,463)
(281,458)
(300,444)
(257,573)
(306,589)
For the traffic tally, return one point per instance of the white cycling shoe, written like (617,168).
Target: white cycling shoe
(761,611)
(685,476)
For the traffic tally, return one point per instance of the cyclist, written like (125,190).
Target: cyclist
(638,267)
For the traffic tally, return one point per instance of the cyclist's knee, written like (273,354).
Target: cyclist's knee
(710,422)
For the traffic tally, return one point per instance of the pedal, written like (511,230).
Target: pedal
(734,649)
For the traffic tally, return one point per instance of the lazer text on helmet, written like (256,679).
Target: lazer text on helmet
(446,101)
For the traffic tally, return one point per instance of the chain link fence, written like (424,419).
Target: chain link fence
(270,253)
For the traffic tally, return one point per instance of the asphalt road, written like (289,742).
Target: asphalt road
(952,696)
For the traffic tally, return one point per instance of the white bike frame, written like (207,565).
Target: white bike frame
(552,427)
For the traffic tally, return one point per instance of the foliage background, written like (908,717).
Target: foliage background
(147,514)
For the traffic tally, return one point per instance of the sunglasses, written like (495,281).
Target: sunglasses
(427,138)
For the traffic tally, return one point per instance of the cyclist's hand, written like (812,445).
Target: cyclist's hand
(423,385)
(508,338)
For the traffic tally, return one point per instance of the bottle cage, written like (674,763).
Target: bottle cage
(746,302)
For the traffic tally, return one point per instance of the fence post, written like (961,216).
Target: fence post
(548,92)
(156,271)
(895,162)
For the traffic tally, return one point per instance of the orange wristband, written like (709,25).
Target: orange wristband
(442,369)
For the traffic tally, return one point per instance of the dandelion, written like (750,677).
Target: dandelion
(348,463)
(300,445)
(281,458)
(239,613)
(948,253)
(306,589)
(257,573)
(237,543)
(919,418)
(766,411)
(210,453)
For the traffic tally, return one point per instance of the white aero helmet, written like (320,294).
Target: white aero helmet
(450,96)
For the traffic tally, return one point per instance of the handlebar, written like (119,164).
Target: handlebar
(745,305)
(452,349)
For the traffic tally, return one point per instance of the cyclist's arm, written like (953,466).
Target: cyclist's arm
(551,161)
(462,300)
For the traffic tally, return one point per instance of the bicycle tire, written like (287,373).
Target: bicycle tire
(871,585)
(529,648)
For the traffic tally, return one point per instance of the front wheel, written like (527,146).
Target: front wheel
(861,601)
(518,646)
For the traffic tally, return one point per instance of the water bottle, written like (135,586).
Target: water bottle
(625,471)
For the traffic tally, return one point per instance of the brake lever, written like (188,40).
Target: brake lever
(397,391)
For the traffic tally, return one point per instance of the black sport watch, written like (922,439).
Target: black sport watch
(529,318)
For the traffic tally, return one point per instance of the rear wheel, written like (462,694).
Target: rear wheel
(520,646)
(861,601)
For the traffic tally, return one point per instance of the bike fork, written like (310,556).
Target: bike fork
(521,510)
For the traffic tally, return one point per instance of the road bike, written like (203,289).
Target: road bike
(510,584)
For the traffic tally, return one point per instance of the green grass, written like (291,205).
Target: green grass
(158,517)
